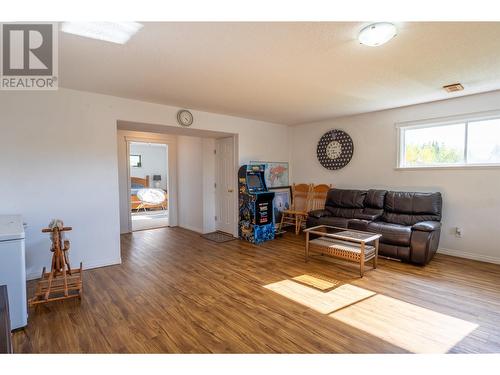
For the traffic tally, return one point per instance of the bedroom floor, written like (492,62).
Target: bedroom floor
(149,219)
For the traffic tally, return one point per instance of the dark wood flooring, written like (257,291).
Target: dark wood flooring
(179,293)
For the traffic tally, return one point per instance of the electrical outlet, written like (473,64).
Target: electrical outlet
(458,232)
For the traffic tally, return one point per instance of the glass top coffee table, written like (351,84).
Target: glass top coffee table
(348,244)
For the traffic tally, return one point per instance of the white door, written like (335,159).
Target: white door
(225,185)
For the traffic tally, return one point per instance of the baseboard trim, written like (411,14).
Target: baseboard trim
(467,255)
(193,229)
(86,266)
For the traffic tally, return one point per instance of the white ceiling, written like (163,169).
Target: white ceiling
(288,73)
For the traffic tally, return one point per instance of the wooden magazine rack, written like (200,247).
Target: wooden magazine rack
(61,282)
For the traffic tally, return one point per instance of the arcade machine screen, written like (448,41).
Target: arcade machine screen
(254,182)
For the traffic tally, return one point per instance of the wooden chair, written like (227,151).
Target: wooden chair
(298,211)
(318,196)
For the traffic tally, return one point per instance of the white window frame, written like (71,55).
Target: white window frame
(442,121)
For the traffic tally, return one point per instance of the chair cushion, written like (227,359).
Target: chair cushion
(393,234)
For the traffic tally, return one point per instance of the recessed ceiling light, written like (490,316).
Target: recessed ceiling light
(115,32)
(377,34)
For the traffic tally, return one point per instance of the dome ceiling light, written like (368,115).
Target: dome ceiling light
(376,34)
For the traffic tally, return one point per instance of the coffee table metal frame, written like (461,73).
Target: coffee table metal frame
(342,246)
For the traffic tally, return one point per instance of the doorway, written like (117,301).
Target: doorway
(148,198)
(191,175)
(225,186)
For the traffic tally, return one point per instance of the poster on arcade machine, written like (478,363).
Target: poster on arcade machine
(275,173)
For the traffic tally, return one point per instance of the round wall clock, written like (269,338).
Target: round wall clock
(335,149)
(184,117)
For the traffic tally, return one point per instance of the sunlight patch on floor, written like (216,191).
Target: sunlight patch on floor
(414,328)
(408,326)
(322,302)
(318,282)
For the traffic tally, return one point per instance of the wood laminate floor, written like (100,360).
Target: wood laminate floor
(177,292)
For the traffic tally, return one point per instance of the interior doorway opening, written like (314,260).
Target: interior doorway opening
(191,175)
(148,171)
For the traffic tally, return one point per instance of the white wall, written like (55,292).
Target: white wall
(59,159)
(153,162)
(471,196)
(190,182)
(196,179)
(208,165)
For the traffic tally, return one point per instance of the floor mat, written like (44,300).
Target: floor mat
(218,237)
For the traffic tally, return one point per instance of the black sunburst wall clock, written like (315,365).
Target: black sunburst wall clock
(335,149)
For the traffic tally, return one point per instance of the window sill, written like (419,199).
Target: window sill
(450,167)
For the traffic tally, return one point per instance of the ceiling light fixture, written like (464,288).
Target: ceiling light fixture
(377,34)
(453,87)
(115,32)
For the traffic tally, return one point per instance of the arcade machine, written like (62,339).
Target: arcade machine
(256,221)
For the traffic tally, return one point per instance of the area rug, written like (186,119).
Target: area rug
(218,237)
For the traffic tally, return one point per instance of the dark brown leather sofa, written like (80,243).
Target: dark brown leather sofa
(409,222)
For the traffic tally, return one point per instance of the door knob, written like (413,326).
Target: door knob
(229,190)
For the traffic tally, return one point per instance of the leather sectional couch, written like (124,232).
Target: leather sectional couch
(408,222)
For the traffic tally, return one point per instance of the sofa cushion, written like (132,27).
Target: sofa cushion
(345,198)
(331,220)
(408,208)
(393,234)
(319,213)
(373,205)
(368,216)
(358,224)
(375,198)
(345,203)
(394,251)
(335,221)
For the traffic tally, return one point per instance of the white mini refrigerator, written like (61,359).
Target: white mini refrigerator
(13,267)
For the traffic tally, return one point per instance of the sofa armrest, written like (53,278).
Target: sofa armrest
(368,217)
(424,241)
(427,226)
(319,213)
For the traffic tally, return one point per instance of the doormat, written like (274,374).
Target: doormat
(218,236)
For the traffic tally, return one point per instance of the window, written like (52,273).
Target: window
(465,141)
(135,161)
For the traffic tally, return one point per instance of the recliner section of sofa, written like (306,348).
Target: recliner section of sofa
(409,222)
